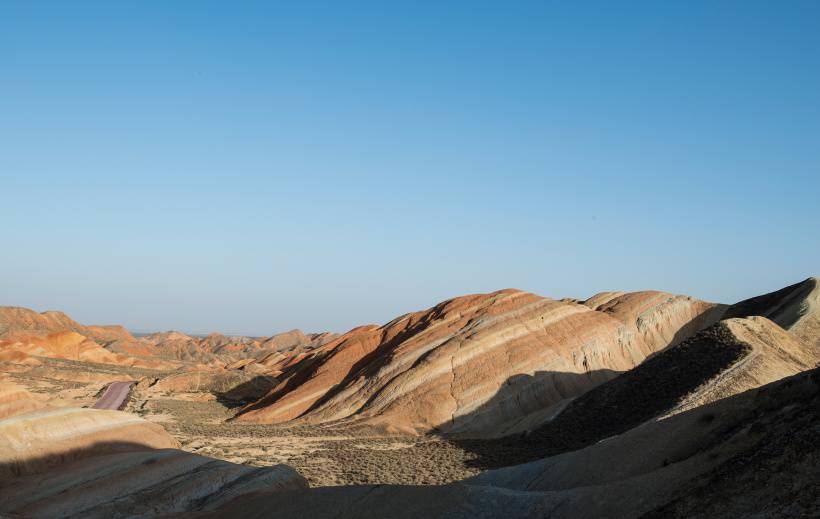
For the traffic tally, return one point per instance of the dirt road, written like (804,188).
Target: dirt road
(114,396)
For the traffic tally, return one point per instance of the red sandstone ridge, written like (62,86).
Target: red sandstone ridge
(69,345)
(21,322)
(54,334)
(479,364)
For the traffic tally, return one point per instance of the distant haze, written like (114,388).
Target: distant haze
(255,168)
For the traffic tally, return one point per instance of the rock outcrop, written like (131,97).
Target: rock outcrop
(478,364)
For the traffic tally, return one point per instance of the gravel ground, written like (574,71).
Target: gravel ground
(326,456)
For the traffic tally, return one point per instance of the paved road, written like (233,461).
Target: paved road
(114,396)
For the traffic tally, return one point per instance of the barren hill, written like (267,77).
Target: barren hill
(55,334)
(217,348)
(469,364)
(796,308)
(16,322)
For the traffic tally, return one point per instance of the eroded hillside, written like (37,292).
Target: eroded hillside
(480,364)
(507,403)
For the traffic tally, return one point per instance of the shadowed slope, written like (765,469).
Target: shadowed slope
(127,480)
(57,434)
(66,462)
(796,308)
(668,461)
(729,357)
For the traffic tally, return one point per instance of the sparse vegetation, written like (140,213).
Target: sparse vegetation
(326,456)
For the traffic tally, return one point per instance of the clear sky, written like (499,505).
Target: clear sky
(255,167)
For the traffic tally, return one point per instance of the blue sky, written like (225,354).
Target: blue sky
(256,167)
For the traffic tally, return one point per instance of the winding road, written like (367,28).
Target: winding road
(115,395)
